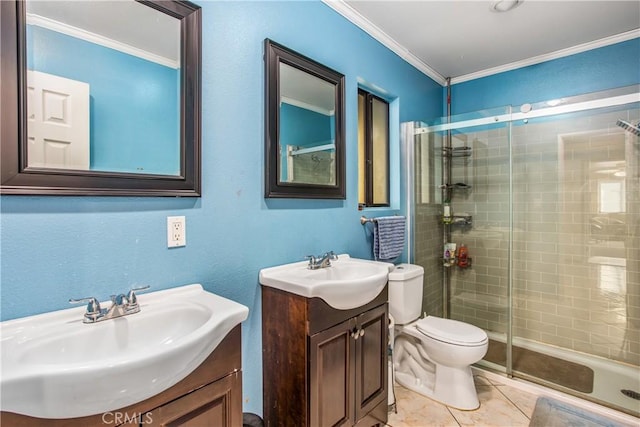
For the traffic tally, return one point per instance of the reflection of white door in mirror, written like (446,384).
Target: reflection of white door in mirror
(58,122)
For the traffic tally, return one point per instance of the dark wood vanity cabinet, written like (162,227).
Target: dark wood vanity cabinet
(347,376)
(214,405)
(323,366)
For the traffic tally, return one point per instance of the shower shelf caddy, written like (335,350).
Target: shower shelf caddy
(453,262)
(451,153)
(464,220)
(456,186)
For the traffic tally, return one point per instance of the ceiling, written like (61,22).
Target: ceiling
(305,90)
(466,39)
(124,25)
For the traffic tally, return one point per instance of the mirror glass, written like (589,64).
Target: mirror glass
(304,116)
(307,128)
(103,87)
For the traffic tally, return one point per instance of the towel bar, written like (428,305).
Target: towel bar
(364,220)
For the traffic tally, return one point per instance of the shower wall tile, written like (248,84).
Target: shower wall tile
(590,348)
(542,327)
(553,339)
(577,313)
(562,321)
(574,334)
(543,307)
(487,315)
(527,334)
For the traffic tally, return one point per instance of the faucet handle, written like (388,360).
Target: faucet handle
(93,306)
(331,255)
(132,298)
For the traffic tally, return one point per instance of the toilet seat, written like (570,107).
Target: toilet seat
(451,331)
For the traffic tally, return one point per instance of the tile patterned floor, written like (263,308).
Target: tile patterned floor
(500,405)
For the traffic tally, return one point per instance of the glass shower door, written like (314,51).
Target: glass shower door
(576,287)
(480,192)
(474,181)
(547,202)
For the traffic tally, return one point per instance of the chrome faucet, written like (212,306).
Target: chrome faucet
(321,261)
(121,305)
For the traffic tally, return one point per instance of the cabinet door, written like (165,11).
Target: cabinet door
(371,360)
(218,404)
(332,375)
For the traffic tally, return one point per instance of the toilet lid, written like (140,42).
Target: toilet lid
(451,331)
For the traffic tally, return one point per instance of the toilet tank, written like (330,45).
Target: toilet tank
(405,293)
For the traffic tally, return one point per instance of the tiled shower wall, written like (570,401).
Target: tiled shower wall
(576,269)
(427,224)
(428,240)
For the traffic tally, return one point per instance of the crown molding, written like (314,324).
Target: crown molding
(307,106)
(618,38)
(374,31)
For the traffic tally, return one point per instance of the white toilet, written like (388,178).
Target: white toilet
(432,355)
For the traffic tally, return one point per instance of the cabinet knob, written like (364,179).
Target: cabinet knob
(357,333)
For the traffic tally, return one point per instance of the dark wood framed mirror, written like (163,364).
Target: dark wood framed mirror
(138,137)
(304,127)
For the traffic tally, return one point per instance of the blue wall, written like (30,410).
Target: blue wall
(127,93)
(53,248)
(592,71)
(302,127)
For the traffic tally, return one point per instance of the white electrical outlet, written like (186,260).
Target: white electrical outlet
(176,231)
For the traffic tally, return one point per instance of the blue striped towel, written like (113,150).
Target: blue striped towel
(388,237)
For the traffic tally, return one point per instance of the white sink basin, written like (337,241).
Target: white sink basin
(55,366)
(348,283)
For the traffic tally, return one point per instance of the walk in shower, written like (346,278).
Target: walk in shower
(546,198)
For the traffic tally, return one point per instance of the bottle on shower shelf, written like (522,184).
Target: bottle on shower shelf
(446,212)
(463,256)
(449,256)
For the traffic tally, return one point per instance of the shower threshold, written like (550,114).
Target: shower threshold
(549,368)
(572,372)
